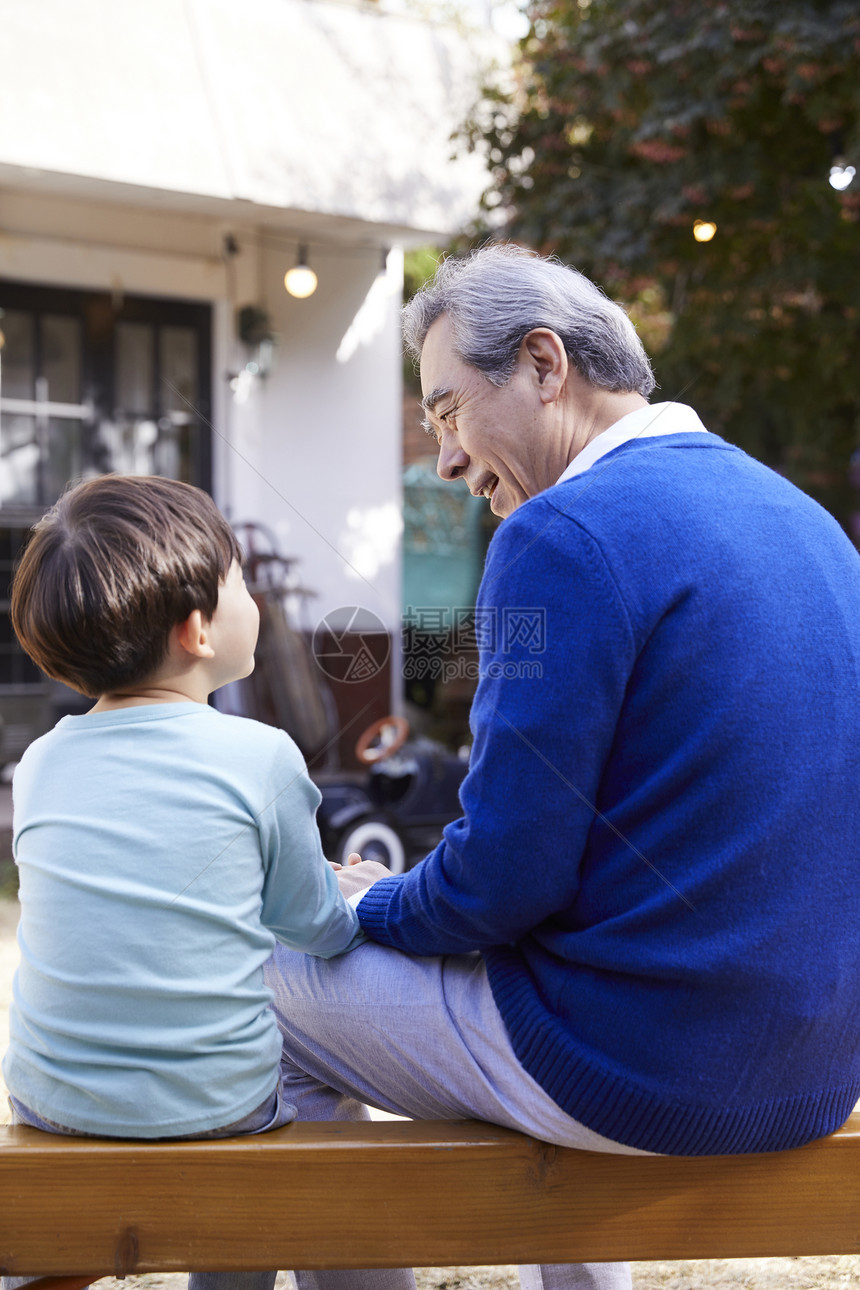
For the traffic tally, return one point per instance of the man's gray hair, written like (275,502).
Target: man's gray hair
(496,295)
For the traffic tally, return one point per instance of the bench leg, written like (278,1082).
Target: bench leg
(357,1279)
(575,1276)
(231,1280)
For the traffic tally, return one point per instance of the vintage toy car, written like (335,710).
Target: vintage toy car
(396,809)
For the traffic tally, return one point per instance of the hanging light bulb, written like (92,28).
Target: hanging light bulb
(704,230)
(840,174)
(301,281)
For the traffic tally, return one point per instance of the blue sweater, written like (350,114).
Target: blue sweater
(657,855)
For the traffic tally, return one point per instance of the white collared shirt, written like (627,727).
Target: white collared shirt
(645,423)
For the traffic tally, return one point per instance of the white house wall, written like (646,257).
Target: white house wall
(315,450)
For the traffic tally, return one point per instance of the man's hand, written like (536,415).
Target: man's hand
(359,874)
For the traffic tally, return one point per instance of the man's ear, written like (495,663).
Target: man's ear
(193,635)
(543,351)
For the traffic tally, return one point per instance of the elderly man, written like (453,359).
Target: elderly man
(642,933)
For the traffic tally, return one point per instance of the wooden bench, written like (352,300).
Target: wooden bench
(386,1194)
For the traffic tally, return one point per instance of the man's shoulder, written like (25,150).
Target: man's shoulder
(686,482)
(653,507)
(633,470)
(636,467)
(536,548)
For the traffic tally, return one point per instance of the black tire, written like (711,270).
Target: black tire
(374,839)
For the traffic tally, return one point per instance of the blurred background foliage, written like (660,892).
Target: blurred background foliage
(623,124)
(419,265)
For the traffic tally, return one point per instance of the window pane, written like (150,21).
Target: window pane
(125,445)
(178,355)
(62,456)
(19,461)
(17,371)
(168,453)
(134,367)
(61,358)
(15,667)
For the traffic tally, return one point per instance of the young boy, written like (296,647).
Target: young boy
(162,846)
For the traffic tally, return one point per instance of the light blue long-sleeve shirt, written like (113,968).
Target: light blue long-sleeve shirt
(161,850)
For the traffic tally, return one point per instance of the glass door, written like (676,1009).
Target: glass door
(90,383)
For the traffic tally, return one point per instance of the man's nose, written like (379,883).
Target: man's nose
(452,460)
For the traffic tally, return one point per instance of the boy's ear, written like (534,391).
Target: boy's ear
(193,635)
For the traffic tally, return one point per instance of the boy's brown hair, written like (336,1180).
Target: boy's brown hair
(109,570)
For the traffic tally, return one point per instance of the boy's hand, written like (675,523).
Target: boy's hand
(352,858)
(360,874)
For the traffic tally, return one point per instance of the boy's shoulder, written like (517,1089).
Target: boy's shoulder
(236,736)
(238,733)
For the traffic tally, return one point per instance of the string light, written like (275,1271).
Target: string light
(704,230)
(301,281)
(840,174)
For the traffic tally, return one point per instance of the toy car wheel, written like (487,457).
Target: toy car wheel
(373,839)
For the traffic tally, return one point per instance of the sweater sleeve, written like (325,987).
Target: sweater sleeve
(302,903)
(557,652)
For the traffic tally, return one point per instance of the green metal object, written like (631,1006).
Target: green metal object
(443,540)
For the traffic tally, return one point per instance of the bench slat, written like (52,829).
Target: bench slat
(422,1193)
